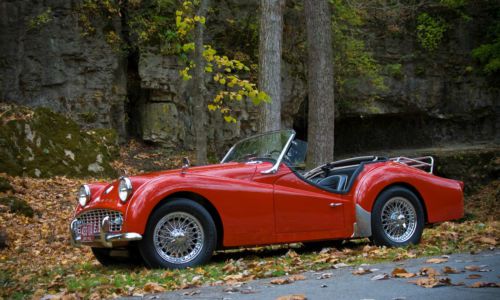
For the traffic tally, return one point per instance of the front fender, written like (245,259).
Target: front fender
(148,195)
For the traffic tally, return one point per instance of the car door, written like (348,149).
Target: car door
(305,212)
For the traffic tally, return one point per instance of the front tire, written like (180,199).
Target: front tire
(179,234)
(397,218)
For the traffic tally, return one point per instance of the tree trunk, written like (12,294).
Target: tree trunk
(200,104)
(319,82)
(270,43)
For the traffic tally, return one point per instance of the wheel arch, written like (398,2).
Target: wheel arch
(203,202)
(408,186)
(362,227)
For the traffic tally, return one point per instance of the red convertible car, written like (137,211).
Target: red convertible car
(259,195)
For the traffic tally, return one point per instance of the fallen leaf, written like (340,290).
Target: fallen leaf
(402,273)
(280,281)
(484,270)
(229,267)
(474,276)
(428,271)
(196,280)
(292,297)
(383,276)
(71,296)
(287,280)
(325,276)
(431,282)
(487,240)
(235,277)
(340,265)
(436,260)
(482,284)
(450,270)
(247,291)
(291,254)
(192,293)
(361,271)
(153,287)
(297,277)
(473,268)
(231,289)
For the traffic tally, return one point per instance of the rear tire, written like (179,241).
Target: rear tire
(179,234)
(397,218)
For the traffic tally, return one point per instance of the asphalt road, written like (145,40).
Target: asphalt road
(344,285)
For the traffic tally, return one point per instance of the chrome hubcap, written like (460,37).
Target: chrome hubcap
(178,237)
(399,219)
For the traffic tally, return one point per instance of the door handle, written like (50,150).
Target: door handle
(336,204)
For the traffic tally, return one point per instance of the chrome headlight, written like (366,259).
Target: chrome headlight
(84,195)
(124,189)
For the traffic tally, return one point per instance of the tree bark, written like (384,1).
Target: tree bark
(270,44)
(200,103)
(321,113)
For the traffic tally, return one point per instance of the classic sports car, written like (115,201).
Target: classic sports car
(259,195)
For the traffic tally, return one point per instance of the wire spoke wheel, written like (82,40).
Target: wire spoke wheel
(178,237)
(399,219)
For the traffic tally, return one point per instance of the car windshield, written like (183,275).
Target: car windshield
(266,146)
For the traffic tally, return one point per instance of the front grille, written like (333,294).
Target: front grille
(95,217)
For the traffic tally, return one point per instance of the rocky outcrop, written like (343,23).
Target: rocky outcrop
(46,61)
(432,98)
(165,108)
(42,143)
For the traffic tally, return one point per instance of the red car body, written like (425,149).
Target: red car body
(251,208)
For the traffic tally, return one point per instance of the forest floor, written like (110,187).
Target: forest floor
(40,263)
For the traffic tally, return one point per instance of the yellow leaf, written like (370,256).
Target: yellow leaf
(229,119)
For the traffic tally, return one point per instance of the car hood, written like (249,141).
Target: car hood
(229,170)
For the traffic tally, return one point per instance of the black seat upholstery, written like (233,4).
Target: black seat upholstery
(334,182)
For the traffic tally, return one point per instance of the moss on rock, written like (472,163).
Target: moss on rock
(42,143)
(17,206)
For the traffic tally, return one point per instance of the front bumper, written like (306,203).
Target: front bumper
(104,238)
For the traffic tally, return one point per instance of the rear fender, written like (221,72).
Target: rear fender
(442,198)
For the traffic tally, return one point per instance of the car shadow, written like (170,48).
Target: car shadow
(279,250)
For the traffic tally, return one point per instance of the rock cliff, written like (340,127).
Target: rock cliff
(432,98)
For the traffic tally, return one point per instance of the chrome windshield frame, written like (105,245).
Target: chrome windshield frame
(276,165)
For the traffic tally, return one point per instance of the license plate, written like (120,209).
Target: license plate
(87,232)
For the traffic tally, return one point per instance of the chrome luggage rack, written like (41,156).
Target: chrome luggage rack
(425,163)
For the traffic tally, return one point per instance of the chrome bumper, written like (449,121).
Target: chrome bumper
(105,238)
